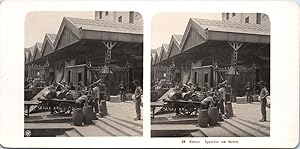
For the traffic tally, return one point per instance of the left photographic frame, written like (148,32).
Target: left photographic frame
(83,74)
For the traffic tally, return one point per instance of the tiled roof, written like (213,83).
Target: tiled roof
(228,26)
(102,25)
(178,38)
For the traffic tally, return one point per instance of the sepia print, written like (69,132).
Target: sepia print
(84,75)
(211,78)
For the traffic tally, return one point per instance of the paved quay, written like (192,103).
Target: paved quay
(244,123)
(118,122)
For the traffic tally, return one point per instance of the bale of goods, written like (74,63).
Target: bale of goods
(75,94)
(69,96)
(174,95)
(60,94)
(213,115)
(77,117)
(241,100)
(103,108)
(186,96)
(228,108)
(195,97)
(87,114)
(49,95)
(203,118)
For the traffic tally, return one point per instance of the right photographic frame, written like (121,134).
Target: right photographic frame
(210,75)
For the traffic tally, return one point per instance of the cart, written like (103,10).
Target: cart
(61,106)
(186,107)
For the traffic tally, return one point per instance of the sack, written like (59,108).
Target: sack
(133,97)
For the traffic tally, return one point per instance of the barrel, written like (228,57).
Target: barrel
(220,117)
(186,96)
(213,116)
(94,116)
(87,114)
(203,118)
(103,109)
(228,108)
(60,94)
(174,95)
(77,117)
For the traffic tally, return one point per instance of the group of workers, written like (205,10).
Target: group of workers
(95,93)
(221,94)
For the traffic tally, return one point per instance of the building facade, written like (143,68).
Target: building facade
(85,50)
(118,16)
(252,18)
(212,51)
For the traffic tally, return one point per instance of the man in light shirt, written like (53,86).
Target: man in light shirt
(263,97)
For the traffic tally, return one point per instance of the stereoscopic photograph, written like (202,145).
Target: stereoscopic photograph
(83,74)
(210,75)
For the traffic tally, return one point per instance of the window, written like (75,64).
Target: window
(120,19)
(195,77)
(131,17)
(227,16)
(233,14)
(247,20)
(106,13)
(100,15)
(69,76)
(258,18)
(205,77)
(79,77)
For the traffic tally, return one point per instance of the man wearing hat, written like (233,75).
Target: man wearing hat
(263,97)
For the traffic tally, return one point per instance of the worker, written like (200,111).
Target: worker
(137,99)
(263,97)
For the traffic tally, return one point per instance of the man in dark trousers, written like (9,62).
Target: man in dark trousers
(248,92)
(137,98)
(263,97)
(122,91)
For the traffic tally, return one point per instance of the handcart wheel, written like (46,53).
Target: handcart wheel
(189,109)
(64,108)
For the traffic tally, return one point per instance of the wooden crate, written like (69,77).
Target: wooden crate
(241,100)
(115,98)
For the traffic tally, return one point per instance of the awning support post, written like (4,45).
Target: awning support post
(109,45)
(235,46)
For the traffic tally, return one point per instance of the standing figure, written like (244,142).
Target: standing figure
(263,97)
(96,95)
(71,86)
(222,97)
(122,91)
(102,89)
(248,92)
(207,88)
(137,99)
